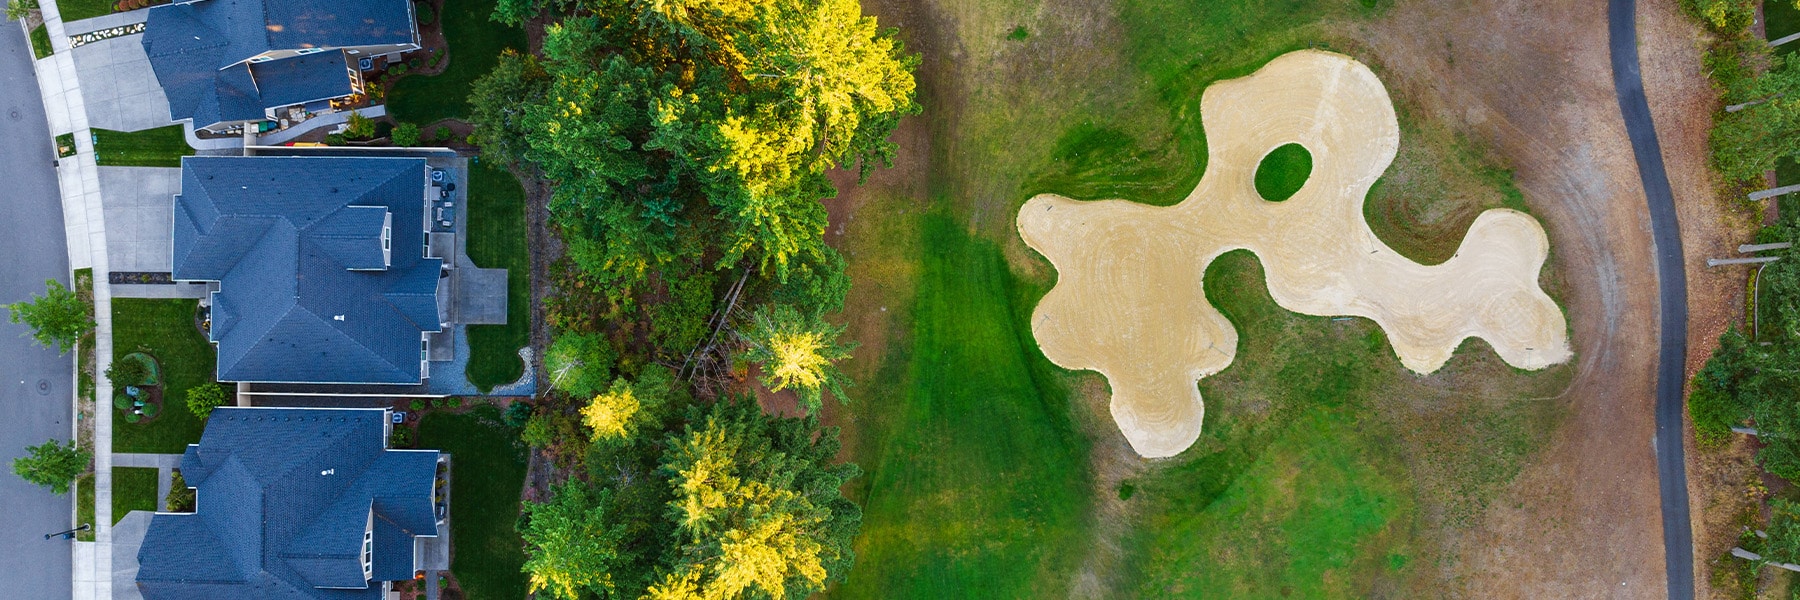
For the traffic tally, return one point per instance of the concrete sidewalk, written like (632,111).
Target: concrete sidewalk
(84,223)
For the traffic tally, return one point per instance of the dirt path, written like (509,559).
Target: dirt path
(1129,303)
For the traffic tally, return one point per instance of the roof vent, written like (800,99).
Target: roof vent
(327,472)
(337,317)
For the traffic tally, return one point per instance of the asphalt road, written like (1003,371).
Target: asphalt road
(35,383)
(1671,467)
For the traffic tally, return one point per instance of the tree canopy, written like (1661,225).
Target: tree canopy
(797,352)
(57,319)
(52,465)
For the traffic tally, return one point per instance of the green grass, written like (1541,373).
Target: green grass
(84,506)
(163,329)
(978,484)
(1325,468)
(1283,172)
(160,147)
(65,145)
(133,488)
(487,476)
(84,289)
(40,42)
(475,45)
(497,240)
(76,10)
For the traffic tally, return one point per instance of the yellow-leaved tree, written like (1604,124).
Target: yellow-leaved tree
(797,352)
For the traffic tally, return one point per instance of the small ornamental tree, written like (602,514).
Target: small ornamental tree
(52,465)
(797,352)
(57,319)
(359,127)
(202,399)
(127,371)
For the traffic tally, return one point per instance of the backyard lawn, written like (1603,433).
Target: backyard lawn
(133,488)
(475,45)
(160,147)
(487,475)
(497,241)
(165,330)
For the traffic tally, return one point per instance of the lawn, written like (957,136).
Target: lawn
(165,330)
(160,147)
(979,484)
(1283,172)
(1325,469)
(487,477)
(475,45)
(40,42)
(84,507)
(76,10)
(133,488)
(497,241)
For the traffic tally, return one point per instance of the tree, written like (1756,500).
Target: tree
(1783,544)
(624,409)
(127,371)
(17,10)
(52,465)
(58,318)
(797,352)
(406,135)
(570,545)
(580,363)
(202,399)
(359,127)
(756,506)
(494,102)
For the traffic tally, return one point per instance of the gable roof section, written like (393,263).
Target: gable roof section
(284,496)
(198,49)
(305,293)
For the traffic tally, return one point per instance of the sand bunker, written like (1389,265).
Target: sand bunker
(1129,302)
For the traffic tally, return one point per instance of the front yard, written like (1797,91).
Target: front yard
(486,479)
(160,147)
(133,488)
(163,329)
(497,241)
(475,45)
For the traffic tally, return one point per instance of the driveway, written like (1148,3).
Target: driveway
(140,217)
(121,92)
(35,383)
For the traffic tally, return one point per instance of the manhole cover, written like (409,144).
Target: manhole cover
(43,387)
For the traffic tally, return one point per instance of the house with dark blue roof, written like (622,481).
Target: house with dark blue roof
(223,63)
(320,264)
(295,503)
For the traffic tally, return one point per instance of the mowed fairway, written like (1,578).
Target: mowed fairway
(1325,469)
(979,484)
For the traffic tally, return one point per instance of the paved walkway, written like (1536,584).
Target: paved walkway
(84,223)
(1671,465)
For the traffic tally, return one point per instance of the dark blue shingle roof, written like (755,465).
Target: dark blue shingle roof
(305,293)
(284,496)
(198,49)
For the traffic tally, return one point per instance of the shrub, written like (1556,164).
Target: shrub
(151,410)
(406,134)
(359,127)
(413,64)
(402,437)
(537,432)
(181,497)
(127,371)
(437,56)
(517,414)
(132,417)
(419,405)
(335,140)
(442,134)
(396,70)
(426,15)
(201,400)
(121,401)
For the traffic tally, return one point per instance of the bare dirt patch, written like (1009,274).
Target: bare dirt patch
(1130,303)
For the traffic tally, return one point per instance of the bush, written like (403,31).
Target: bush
(406,135)
(359,127)
(121,401)
(181,497)
(402,437)
(151,410)
(132,417)
(201,400)
(127,371)
(537,432)
(396,70)
(517,414)
(423,10)
(437,56)
(419,405)
(442,134)
(335,140)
